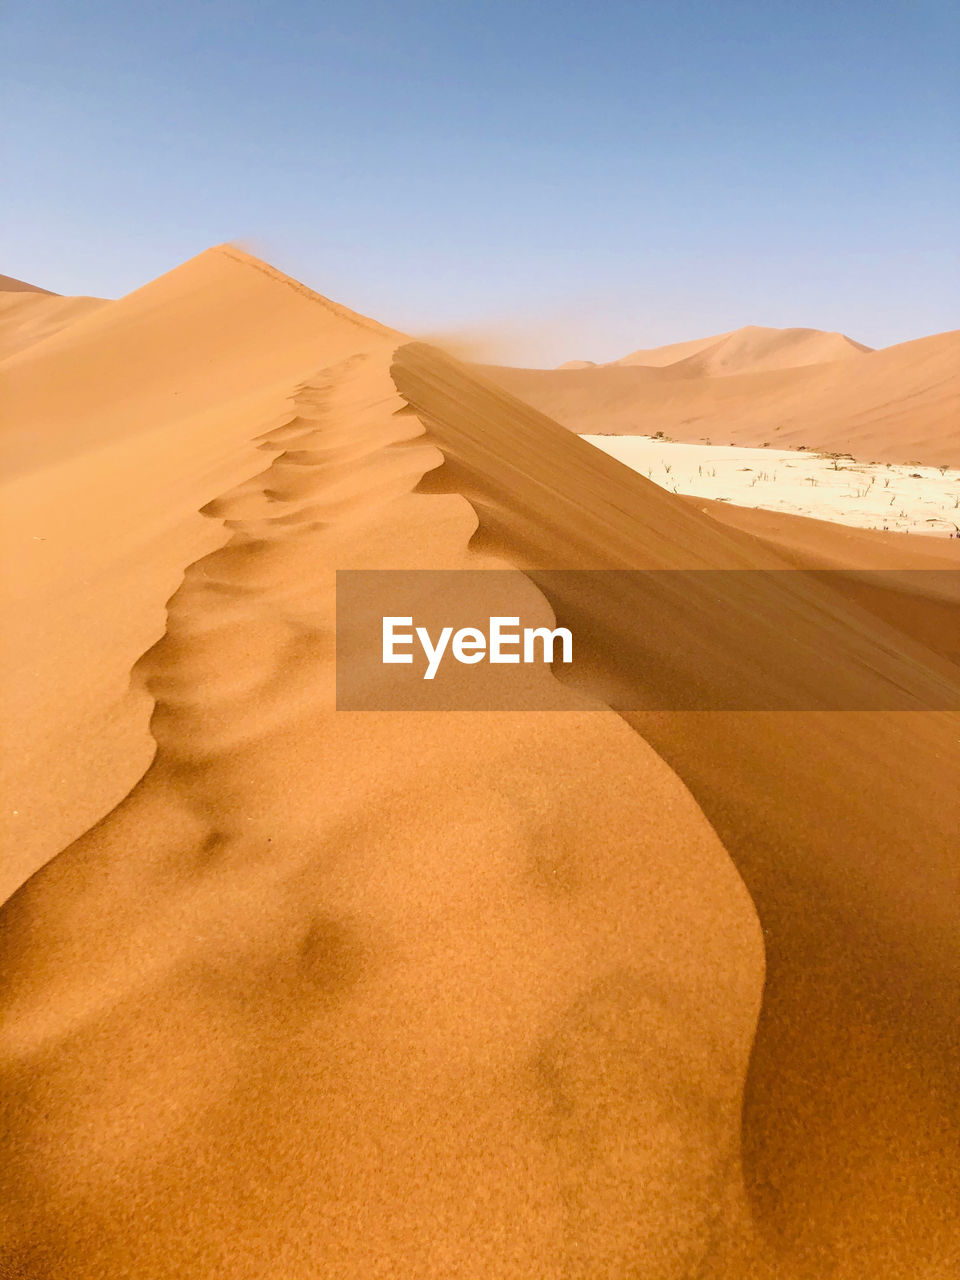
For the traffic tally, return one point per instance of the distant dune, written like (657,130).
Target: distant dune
(8,284)
(29,314)
(897,404)
(312,993)
(748,350)
(28,317)
(673,353)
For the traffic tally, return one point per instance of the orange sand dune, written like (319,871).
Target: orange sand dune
(118,429)
(672,353)
(821,544)
(399,994)
(748,350)
(149,359)
(9,284)
(898,404)
(879,573)
(29,315)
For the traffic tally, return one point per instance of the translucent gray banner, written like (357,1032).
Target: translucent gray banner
(684,640)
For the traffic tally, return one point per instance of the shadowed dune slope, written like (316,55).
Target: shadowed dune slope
(843,825)
(880,574)
(380,994)
(897,404)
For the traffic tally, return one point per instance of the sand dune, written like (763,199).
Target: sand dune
(148,359)
(118,430)
(897,404)
(9,284)
(748,350)
(672,353)
(29,316)
(380,994)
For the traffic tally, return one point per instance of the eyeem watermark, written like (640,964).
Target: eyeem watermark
(646,640)
(507,643)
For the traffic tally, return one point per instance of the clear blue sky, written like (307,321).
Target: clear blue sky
(598,176)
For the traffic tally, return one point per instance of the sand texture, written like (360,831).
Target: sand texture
(296,992)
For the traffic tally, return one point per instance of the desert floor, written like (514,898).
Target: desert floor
(902,497)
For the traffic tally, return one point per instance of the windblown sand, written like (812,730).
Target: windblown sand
(310,993)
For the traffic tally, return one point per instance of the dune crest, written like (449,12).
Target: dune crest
(116,431)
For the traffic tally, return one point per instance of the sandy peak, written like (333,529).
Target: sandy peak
(750,349)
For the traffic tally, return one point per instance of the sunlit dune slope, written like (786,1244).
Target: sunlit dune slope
(897,404)
(672,353)
(28,316)
(217,329)
(115,432)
